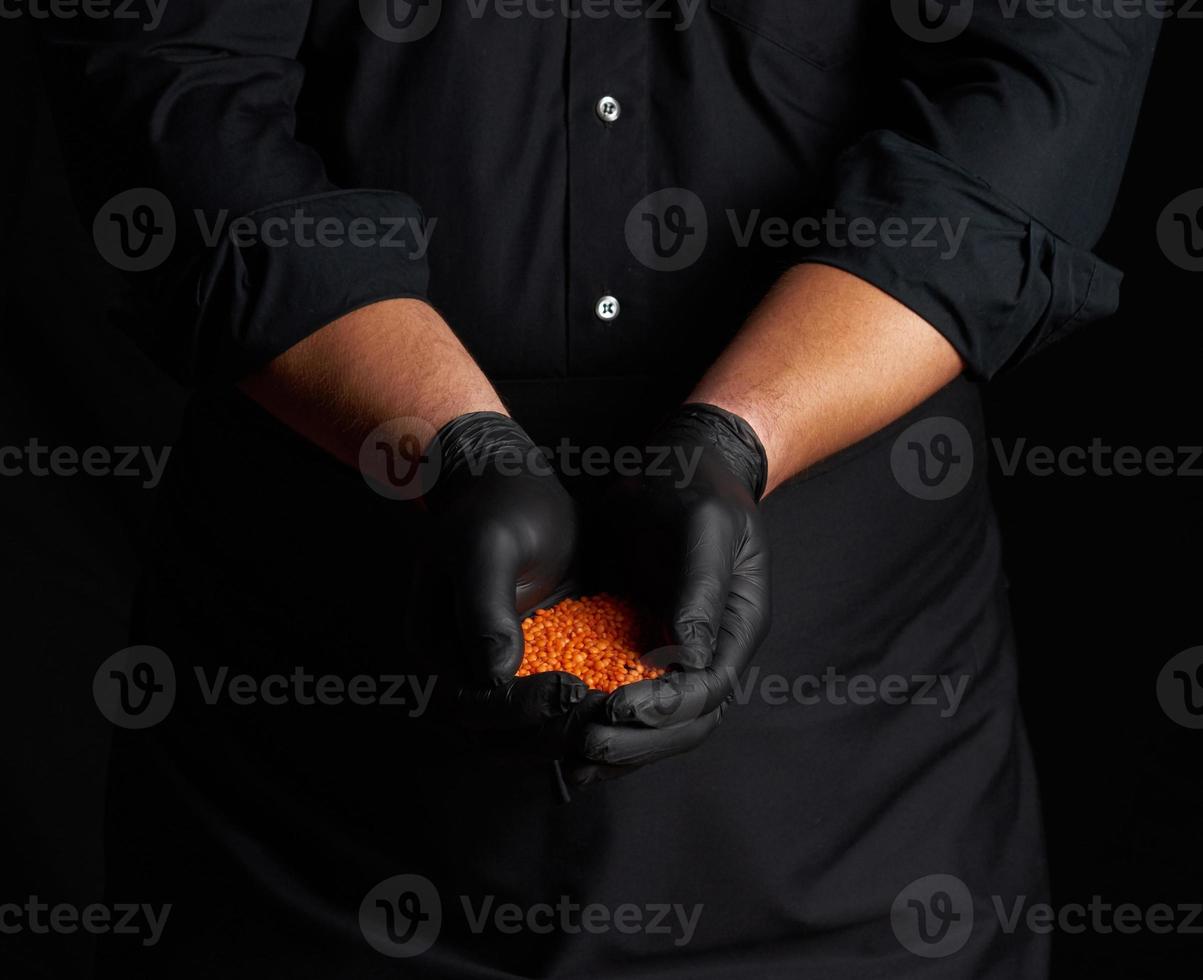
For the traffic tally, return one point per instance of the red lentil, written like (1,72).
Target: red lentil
(598,638)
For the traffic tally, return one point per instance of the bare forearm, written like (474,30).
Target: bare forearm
(826,360)
(393,360)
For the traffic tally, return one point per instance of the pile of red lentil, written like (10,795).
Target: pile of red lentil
(598,638)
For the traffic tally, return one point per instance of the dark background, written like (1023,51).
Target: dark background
(1104,570)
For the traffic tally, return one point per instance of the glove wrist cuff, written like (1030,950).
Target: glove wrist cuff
(731,436)
(471,444)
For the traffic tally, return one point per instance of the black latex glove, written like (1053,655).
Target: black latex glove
(695,550)
(505,532)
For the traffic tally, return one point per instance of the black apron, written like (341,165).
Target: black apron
(800,841)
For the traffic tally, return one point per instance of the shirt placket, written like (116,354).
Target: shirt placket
(607,74)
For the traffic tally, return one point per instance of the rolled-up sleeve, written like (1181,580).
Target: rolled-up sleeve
(1011,138)
(200,107)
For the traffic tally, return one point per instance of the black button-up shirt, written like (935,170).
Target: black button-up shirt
(963,159)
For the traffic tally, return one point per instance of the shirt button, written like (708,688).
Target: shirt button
(607,308)
(608,109)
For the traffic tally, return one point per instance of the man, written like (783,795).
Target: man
(774,243)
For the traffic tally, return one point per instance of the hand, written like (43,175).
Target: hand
(506,528)
(696,551)
(506,531)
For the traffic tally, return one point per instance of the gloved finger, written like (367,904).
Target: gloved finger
(629,745)
(558,737)
(676,698)
(696,607)
(745,625)
(681,696)
(484,581)
(521,703)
